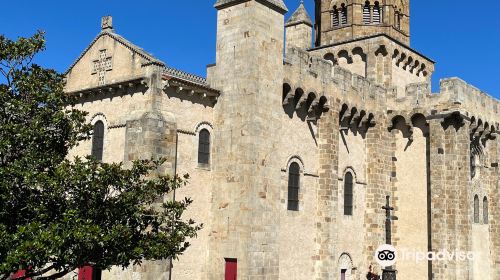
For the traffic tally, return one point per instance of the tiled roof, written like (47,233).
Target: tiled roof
(179,74)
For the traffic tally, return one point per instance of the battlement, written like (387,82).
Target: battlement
(357,88)
(471,98)
(312,73)
(454,93)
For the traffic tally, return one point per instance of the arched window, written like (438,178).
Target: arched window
(367,13)
(348,194)
(485,210)
(293,186)
(204,147)
(476,209)
(377,13)
(98,140)
(335,17)
(343,14)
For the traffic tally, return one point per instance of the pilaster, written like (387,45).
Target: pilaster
(327,204)
(378,186)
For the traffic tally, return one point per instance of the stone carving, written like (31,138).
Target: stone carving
(101,66)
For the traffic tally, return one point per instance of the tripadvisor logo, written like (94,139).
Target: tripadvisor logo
(386,255)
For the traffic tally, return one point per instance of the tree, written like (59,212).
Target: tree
(56,214)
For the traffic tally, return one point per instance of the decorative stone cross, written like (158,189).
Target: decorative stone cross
(101,66)
(388,220)
(388,273)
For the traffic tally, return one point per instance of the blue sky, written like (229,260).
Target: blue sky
(463,38)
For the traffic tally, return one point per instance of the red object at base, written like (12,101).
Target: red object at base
(231,269)
(85,273)
(18,274)
(89,273)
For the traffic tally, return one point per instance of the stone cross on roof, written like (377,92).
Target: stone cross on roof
(107,22)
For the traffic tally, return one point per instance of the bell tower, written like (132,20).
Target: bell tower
(346,20)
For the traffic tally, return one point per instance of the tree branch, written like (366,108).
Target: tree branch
(38,273)
(56,275)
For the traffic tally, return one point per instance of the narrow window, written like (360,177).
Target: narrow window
(231,269)
(343,274)
(485,210)
(476,209)
(367,13)
(343,14)
(335,17)
(377,13)
(98,140)
(204,147)
(348,194)
(293,186)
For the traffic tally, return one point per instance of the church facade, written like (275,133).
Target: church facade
(294,144)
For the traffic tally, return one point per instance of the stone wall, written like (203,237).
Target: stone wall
(246,175)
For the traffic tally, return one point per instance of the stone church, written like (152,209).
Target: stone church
(295,139)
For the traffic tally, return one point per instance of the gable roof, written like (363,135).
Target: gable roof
(150,59)
(129,45)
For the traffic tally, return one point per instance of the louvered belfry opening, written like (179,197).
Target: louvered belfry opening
(367,13)
(377,14)
(98,140)
(343,14)
(335,17)
(339,16)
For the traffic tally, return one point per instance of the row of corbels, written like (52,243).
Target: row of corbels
(189,90)
(483,131)
(113,88)
(355,118)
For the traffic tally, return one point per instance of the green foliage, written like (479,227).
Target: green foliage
(57,215)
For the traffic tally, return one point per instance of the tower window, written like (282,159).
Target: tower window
(348,194)
(476,209)
(339,16)
(204,147)
(367,13)
(343,14)
(98,140)
(485,210)
(335,17)
(377,14)
(293,186)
